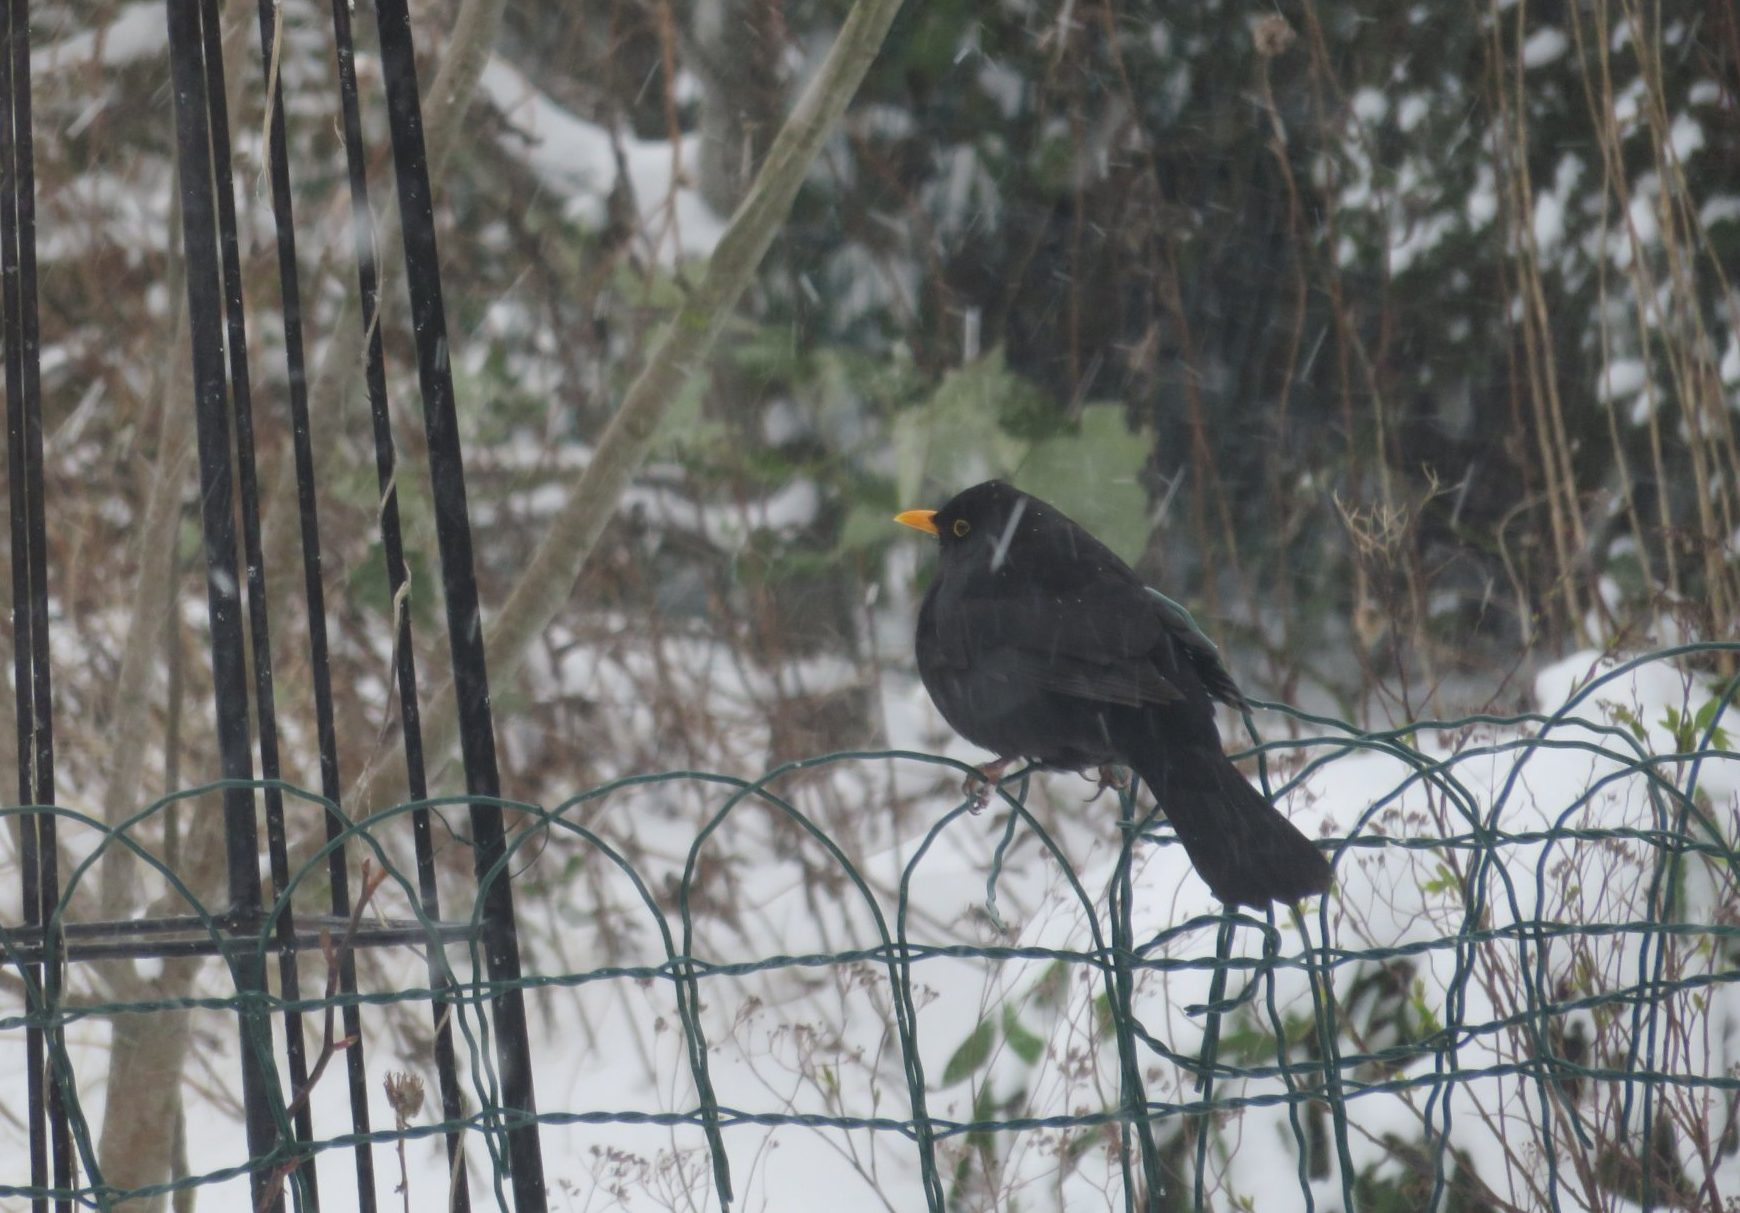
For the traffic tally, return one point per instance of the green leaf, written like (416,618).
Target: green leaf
(1104,1019)
(1705,718)
(768,354)
(369,585)
(985,1142)
(1028,1046)
(1629,719)
(1424,1013)
(984,420)
(1679,724)
(975,1050)
(1053,985)
(958,436)
(1091,475)
(1246,1044)
(1053,163)
(1443,882)
(868,526)
(683,430)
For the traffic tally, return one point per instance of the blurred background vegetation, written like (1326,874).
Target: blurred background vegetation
(1398,338)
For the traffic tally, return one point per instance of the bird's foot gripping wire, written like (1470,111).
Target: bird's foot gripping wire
(1115,778)
(981,780)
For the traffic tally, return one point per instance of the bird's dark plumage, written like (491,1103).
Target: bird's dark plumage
(1036,641)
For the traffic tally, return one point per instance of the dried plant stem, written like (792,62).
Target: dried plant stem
(331,1044)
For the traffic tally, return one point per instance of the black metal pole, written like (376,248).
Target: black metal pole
(459,584)
(393,554)
(319,661)
(217,518)
(48,1125)
(259,630)
(32,845)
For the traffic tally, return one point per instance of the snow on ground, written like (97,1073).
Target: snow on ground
(820,1038)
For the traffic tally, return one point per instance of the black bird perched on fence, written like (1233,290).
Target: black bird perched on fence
(1036,641)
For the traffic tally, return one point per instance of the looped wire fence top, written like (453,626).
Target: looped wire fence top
(1521,995)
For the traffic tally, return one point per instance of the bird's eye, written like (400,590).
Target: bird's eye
(961,527)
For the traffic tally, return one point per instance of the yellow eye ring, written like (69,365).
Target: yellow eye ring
(961,527)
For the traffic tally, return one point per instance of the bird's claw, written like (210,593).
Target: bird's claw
(1115,778)
(981,781)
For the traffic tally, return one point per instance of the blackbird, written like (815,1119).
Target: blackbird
(1036,641)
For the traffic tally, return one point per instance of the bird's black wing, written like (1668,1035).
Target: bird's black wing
(1198,650)
(1105,642)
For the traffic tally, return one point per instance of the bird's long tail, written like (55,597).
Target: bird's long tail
(1247,852)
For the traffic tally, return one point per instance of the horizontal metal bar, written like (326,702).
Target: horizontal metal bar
(186,936)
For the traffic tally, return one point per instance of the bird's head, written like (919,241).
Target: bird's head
(987,516)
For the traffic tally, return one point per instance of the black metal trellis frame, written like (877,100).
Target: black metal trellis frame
(237,608)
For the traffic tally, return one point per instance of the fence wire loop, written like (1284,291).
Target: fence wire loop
(1317,1069)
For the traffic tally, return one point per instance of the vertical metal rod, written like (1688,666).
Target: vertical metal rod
(458,579)
(205,316)
(1210,1052)
(48,1125)
(31,845)
(259,630)
(1132,1094)
(392,547)
(313,588)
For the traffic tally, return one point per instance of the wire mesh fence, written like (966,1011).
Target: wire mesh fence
(1520,995)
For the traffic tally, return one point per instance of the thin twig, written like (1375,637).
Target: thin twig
(330,1046)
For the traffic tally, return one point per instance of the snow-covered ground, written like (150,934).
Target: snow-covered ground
(1025,1035)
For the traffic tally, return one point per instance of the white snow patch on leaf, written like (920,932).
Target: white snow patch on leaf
(1641,212)
(1724,208)
(1412,111)
(1686,136)
(1622,377)
(1370,105)
(1549,222)
(1544,46)
(1420,238)
(1482,204)
(576,161)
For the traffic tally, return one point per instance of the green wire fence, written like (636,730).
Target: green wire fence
(1612,1121)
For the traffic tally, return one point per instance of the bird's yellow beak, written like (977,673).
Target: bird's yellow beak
(918,520)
